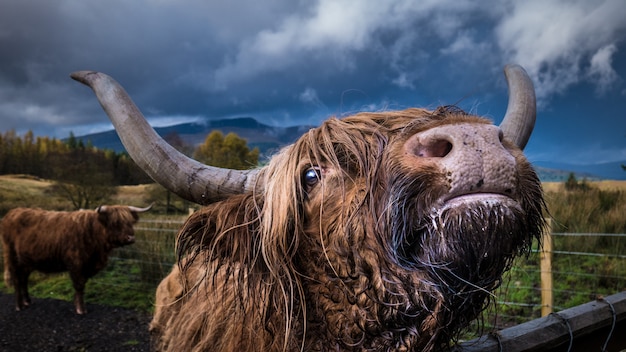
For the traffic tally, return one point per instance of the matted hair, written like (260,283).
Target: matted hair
(285,267)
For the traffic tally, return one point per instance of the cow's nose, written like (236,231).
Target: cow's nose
(439,142)
(470,155)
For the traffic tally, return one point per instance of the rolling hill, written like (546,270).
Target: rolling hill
(270,138)
(267,138)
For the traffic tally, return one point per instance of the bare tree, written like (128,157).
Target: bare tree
(83,177)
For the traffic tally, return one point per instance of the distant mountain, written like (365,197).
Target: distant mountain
(270,138)
(267,138)
(556,171)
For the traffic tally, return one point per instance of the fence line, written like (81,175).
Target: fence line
(590,234)
(620,256)
(601,275)
(155,227)
(153,254)
(156,230)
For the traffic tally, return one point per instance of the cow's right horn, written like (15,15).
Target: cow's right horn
(521,112)
(175,171)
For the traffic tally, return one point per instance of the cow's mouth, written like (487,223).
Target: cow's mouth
(485,199)
(461,230)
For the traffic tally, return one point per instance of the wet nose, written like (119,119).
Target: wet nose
(471,156)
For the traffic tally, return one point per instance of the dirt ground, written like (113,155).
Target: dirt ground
(52,325)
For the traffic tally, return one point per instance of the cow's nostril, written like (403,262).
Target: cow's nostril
(435,148)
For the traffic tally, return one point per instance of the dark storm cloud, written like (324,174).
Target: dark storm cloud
(296,62)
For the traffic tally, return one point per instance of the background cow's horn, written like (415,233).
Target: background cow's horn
(180,174)
(519,120)
(140,210)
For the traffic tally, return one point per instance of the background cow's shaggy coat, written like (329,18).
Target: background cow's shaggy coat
(380,231)
(54,241)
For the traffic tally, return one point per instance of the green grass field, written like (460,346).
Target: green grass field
(134,271)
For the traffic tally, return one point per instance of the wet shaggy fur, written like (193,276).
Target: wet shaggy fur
(55,241)
(348,246)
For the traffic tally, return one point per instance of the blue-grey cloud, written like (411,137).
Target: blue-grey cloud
(292,62)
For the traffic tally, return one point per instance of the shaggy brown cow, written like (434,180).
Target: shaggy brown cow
(56,241)
(380,231)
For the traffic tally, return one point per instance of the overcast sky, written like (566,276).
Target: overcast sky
(289,62)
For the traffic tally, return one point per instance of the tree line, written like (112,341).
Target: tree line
(66,160)
(85,174)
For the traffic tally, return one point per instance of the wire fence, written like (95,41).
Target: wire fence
(154,248)
(585,266)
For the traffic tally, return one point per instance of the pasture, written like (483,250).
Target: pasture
(589,258)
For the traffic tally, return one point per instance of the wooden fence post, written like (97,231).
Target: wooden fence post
(547,299)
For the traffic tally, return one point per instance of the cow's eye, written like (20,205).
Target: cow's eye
(311,177)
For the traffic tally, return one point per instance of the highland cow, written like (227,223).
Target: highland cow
(380,231)
(54,241)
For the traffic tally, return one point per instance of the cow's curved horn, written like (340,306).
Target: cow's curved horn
(180,174)
(519,120)
(140,210)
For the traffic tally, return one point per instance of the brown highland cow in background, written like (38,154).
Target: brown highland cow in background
(377,232)
(56,241)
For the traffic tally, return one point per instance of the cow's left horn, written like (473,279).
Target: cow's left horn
(519,120)
(180,174)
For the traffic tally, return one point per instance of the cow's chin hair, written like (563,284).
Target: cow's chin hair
(469,241)
(459,253)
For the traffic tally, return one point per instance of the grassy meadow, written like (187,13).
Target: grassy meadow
(587,262)
(134,271)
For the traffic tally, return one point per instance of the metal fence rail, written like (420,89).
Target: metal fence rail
(594,326)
